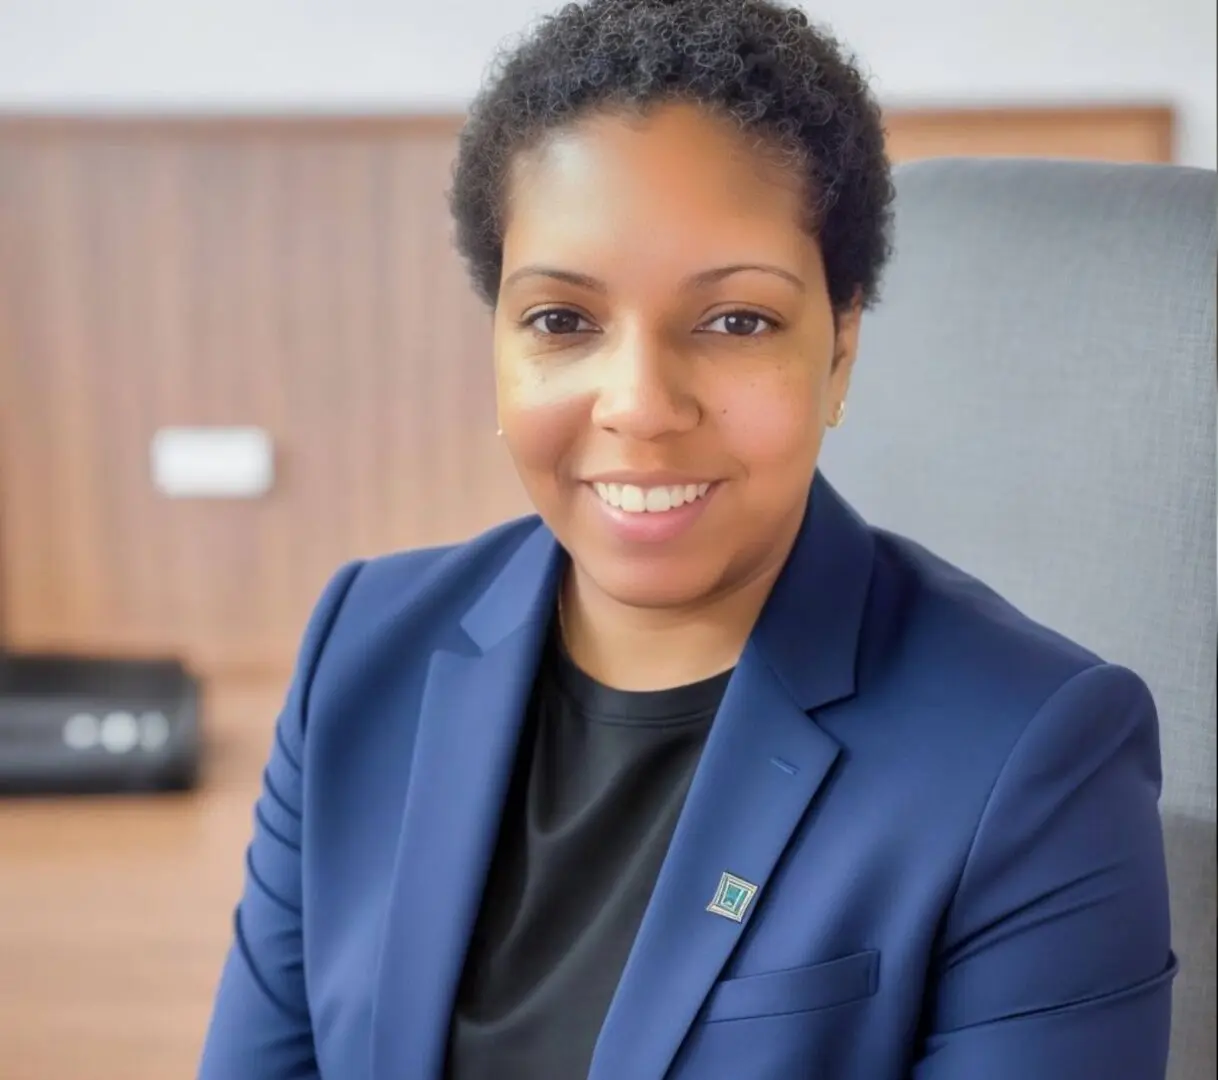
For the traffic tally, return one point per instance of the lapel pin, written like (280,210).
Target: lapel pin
(732,898)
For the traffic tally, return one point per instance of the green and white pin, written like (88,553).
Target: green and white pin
(732,898)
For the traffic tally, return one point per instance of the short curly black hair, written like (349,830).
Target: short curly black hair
(756,62)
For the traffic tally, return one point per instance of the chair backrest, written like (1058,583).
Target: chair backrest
(1035,400)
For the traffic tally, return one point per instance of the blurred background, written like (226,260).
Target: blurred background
(236,350)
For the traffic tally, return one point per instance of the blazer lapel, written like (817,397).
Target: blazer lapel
(764,762)
(473,705)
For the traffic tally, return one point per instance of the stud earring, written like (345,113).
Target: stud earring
(839,414)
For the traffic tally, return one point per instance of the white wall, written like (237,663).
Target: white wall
(335,55)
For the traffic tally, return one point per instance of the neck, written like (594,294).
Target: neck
(635,648)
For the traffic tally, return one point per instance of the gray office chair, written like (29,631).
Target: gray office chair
(1035,400)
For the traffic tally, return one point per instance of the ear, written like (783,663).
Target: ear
(846,323)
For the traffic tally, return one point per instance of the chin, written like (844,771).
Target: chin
(653,583)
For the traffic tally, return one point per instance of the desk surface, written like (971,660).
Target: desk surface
(115,913)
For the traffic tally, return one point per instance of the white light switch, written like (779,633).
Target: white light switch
(213,462)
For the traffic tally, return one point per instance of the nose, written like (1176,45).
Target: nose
(645,391)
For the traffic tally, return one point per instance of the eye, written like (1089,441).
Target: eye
(554,322)
(740,324)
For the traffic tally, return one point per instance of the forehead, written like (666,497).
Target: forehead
(674,185)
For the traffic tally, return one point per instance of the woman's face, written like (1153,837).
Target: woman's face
(666,353)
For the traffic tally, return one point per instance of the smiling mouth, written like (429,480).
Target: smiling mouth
(632,499)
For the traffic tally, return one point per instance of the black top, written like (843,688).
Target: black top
(598,786)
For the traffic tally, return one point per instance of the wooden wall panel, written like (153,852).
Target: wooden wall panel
(294,276)
(1116,133)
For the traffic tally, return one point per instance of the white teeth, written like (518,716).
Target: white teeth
(656,500)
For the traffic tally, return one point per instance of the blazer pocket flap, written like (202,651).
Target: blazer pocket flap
(802,989)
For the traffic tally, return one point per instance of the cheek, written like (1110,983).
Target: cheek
(772,424)
(541,414)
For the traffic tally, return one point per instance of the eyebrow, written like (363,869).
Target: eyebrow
(695,281)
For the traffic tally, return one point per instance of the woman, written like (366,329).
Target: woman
(693,775)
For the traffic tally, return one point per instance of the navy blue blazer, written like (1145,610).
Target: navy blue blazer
(949,813)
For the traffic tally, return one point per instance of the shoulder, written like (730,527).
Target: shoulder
(388,586)
(929,616)
(964,664)
(367,602)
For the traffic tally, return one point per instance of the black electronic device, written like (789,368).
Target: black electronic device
(71,724)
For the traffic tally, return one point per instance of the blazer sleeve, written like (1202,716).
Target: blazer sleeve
(260,1025)
(1056,960)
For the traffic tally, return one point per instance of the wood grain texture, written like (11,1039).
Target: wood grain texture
(1105,133)
(115,914)
(296,276)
